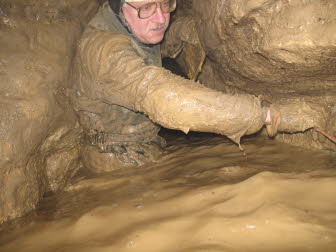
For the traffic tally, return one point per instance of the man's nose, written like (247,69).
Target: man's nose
(159,16)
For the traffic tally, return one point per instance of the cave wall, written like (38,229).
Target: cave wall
(39,133)
(283,50)
(277,47)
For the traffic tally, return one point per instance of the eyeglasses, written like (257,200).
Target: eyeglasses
(149,9)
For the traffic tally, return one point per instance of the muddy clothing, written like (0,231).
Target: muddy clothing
(105,122)
(116,77)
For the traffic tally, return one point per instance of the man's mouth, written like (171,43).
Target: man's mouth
(159,29)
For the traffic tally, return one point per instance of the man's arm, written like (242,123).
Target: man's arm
(120,76)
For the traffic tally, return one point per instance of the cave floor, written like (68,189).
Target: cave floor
(204,194)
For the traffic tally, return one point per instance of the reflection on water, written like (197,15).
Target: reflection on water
(203,195)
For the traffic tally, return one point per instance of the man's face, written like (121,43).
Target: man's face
(150,30)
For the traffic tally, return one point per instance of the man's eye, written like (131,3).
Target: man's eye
(147,7)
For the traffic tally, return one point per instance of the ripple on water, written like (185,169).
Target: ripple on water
(203,195)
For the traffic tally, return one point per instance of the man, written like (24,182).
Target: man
(123,93)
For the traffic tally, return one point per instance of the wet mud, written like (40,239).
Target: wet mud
(204,194)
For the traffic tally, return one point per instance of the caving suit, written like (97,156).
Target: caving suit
(122,95)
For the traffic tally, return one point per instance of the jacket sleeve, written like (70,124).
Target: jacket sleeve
(118,75)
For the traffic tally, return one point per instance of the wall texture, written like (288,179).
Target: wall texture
(284,50)
(39,134)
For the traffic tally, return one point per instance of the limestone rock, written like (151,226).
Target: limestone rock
(270,47)
(281,49)
(38,133)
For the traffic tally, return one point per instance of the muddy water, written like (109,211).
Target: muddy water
(203,195)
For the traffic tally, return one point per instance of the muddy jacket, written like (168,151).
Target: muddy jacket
(120,83)
(96,113)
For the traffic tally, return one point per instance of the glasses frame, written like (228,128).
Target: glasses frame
(157,3)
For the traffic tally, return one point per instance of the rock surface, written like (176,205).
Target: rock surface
(39,133)
(283,50)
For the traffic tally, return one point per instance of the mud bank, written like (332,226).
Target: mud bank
(204,195)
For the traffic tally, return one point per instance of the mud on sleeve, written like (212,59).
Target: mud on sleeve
(122,78)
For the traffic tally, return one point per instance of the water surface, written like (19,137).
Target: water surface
(203,195)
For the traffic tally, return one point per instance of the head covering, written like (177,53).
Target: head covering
(115,5)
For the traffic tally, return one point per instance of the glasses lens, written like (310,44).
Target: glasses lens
(147,10)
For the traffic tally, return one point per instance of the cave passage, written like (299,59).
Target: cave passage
(204,192)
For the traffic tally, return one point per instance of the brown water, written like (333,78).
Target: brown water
(203,195)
